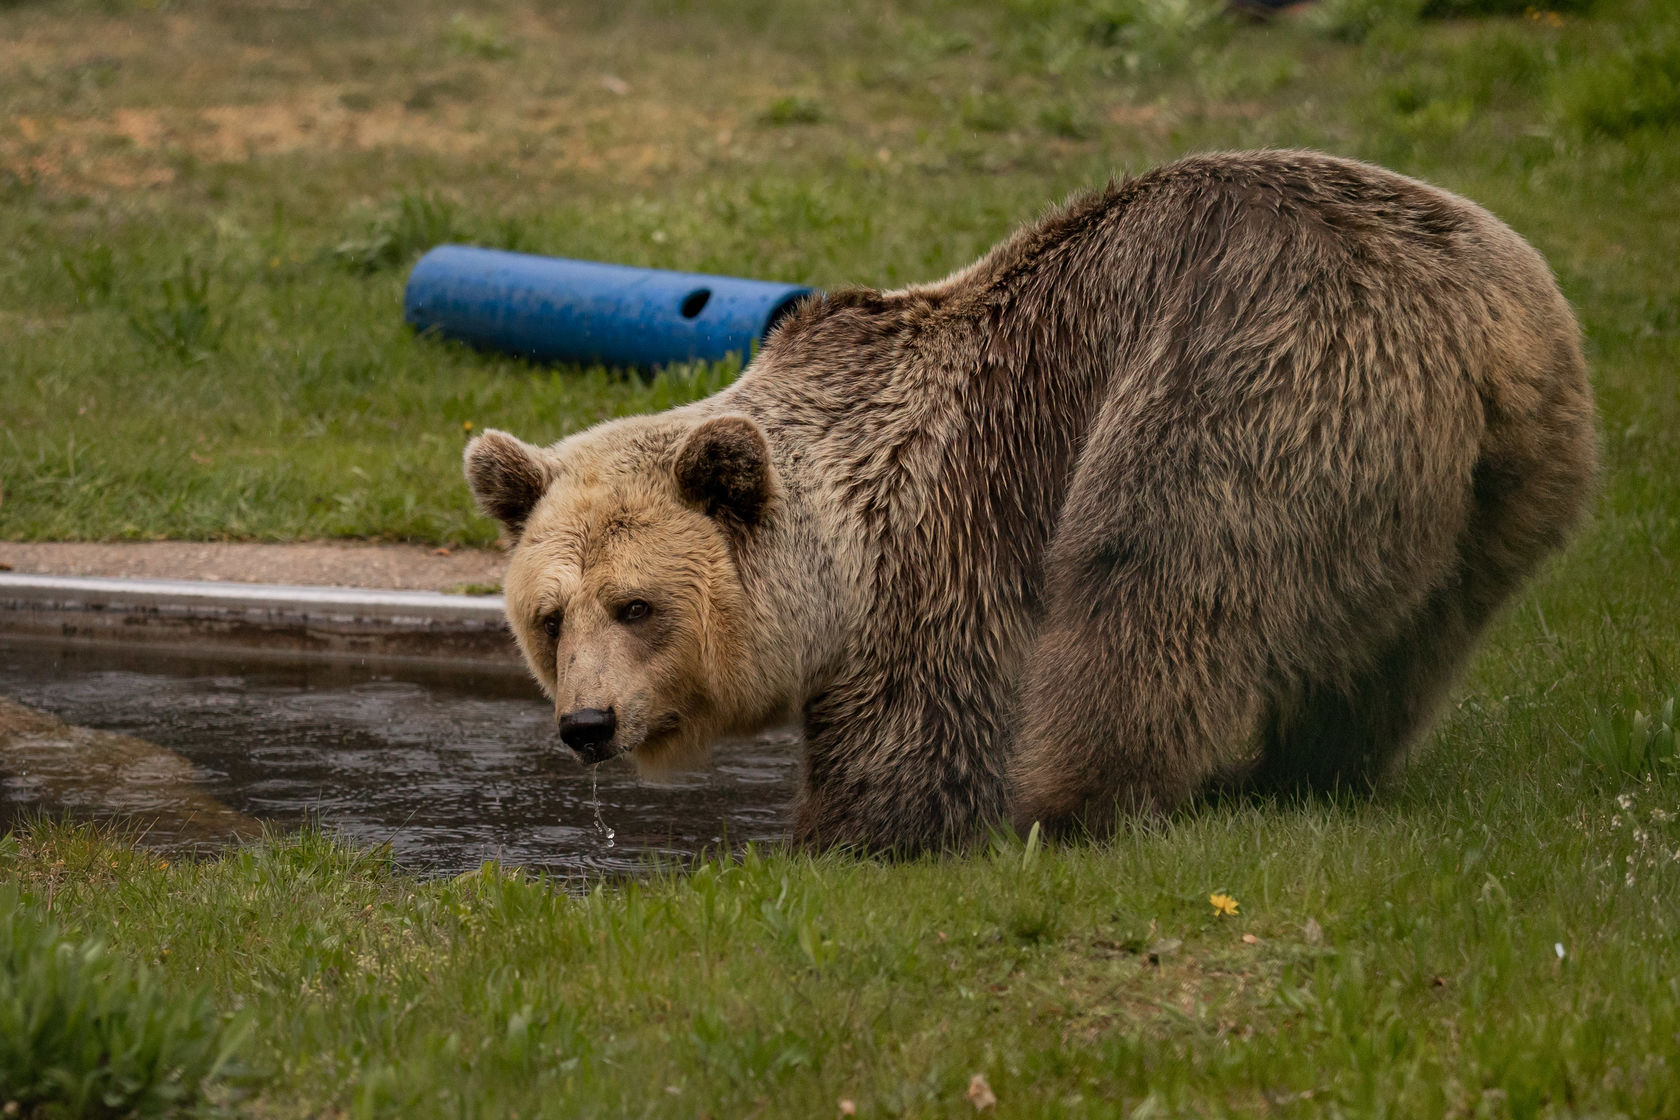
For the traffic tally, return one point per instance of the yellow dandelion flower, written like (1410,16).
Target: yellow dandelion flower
(1223,904)
(466,425)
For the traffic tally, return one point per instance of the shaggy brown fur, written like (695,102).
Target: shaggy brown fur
(1222,468)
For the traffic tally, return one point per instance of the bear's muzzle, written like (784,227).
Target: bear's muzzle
(589,732)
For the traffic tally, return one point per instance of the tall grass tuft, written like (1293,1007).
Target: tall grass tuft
(92,272)
(1448,9)
(183,319)
(398,232)
(1353,21)
(1636,86)
(1116,36)
(83,1033)
(1636,744)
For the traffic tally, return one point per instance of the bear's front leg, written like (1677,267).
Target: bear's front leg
(900,761)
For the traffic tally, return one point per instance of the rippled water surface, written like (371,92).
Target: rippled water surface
(449,768)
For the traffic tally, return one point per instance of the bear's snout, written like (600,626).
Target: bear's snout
(589,732)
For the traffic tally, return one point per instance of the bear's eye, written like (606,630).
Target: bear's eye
(634,611)
(551,624)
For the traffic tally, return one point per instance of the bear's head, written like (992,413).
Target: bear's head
(623,587)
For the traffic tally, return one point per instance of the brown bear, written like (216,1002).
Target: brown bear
(1219,470)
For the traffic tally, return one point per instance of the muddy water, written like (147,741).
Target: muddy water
(448,768)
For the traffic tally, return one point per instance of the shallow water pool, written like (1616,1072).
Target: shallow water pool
(450,768)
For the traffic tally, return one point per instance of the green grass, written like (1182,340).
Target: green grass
(200,297)
(90,1034)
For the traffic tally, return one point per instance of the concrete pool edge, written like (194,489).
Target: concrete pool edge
(275,619)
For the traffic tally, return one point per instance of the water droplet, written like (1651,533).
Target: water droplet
(595,803)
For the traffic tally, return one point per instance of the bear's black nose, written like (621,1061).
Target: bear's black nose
(587,731)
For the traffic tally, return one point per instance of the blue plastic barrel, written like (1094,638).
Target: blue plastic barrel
(551,309)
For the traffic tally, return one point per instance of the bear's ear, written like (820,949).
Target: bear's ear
(506,476)
(724,466)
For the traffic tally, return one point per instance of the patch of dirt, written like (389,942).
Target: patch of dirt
(406,567)
(139,147)
(143,101)
(125,149)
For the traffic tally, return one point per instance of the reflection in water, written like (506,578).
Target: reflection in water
(450,768)
(47,765)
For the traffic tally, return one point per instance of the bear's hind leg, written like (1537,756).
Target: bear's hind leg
(1342,736)
(1346,734)
(1129,707)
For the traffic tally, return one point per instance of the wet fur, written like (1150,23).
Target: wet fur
(1219,471)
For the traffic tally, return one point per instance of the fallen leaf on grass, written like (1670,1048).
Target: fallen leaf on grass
(981,1093)
(1250,939)
(847,1107)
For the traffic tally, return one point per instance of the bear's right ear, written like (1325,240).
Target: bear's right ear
(507,476)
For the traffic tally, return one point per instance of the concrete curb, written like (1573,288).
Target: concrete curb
(334,622)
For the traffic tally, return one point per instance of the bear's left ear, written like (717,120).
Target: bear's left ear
(724,466)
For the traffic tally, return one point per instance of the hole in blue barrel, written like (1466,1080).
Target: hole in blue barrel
(695,302)
(781,311)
